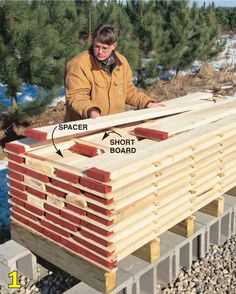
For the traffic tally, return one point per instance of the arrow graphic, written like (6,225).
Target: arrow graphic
(58,150)
(106,134)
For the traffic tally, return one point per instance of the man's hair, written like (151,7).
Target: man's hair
(106,34)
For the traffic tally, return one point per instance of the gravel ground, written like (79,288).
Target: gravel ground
(56,282)
(213,274)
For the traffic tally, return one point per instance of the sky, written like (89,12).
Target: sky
(226,3)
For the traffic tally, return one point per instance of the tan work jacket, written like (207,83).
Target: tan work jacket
(88,86)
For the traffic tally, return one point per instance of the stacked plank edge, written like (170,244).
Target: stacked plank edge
(104,206)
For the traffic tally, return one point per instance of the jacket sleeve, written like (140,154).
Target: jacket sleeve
(78,89)
(135,97)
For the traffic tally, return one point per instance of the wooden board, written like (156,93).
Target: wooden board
(185,228)
(101,123)
(186,121)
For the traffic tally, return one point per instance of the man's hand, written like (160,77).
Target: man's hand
(94,114)
(153,104)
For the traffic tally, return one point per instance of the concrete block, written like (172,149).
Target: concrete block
(212,232)
(165,268)
(27,265)
(82,288)
(198,246)
(184,250)
(175,242)
(165,249)
(218,230)
(230,201)
(14,257)
(226,226)
(124,282)
(144,274)
(127,290)
(164,263)
(232,220)
(134,265)
(148,282)
(185,255)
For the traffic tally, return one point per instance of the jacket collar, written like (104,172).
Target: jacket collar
(96,64)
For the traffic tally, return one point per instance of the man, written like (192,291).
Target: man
(99,80)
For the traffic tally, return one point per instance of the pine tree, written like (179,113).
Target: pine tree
(192,33)
(169,34)
(88,11)
(147,22)
(137,11)
(205,31)
(11,15)
(172,34)
(226,16)
(115,14)
(36,39)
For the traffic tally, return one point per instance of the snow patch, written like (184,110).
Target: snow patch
(3,164)
(57,100)
(28,98)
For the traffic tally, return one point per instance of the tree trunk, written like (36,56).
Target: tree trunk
(2,156)
(14,103)
(177,71)
(90,20)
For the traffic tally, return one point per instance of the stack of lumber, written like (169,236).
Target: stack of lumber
(104,205)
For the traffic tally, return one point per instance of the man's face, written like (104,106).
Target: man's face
(103,51)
